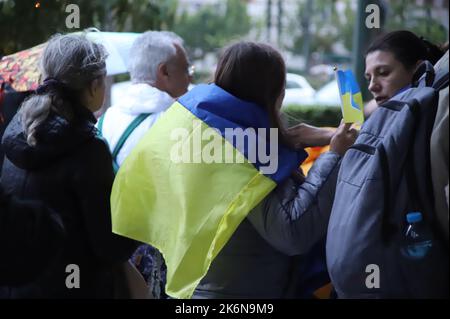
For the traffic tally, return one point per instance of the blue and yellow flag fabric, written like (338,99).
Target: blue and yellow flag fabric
(351,97)
(192,179)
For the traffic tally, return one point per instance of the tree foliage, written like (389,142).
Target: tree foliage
(213,26)
(327,25)
(408,15)
(23,25)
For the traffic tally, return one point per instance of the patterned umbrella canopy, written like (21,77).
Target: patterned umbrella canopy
(21,69)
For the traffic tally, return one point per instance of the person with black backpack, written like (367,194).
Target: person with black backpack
(53,155)
(9,104)
(384,239)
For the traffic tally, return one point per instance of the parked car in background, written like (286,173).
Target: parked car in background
(298,90)
(328,95)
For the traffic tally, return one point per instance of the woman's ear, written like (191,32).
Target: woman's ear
(93,87)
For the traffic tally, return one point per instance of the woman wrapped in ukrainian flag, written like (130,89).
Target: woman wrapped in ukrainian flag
(215,184)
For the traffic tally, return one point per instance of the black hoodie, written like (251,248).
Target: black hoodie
(69,170)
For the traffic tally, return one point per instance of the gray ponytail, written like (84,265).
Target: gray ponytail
(73,61)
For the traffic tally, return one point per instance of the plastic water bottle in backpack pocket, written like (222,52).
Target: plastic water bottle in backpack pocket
(418,239)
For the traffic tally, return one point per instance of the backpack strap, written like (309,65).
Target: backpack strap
(131,127)
(100,125)
(424,70)
(441,80)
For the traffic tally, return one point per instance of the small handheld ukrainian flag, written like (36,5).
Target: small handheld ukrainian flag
(351,97)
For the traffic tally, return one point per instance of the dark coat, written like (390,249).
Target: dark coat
(70,170)
(27,226)
(8,108)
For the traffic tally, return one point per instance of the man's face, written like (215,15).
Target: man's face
(178,74)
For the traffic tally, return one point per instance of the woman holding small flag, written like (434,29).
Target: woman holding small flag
(215,186)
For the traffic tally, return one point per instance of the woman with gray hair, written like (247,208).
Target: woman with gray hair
(53,154)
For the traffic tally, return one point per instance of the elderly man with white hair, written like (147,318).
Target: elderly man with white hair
(160,73)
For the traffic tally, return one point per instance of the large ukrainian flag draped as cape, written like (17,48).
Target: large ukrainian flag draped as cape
(188,209)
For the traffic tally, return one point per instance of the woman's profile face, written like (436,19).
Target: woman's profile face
(386,75)
(96,95)
(100,98)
